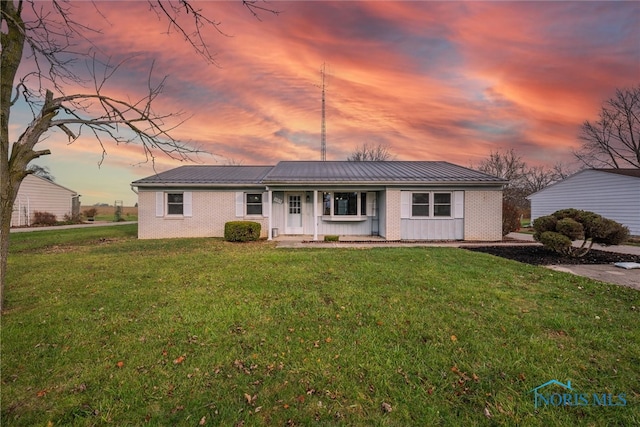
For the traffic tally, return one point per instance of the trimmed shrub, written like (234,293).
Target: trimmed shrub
(556,242)
(241,231)
(558,230)
(570,228)
(331,238)
(608,232)
(44,218)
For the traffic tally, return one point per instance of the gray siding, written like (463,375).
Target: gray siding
(432,229)
(613,196)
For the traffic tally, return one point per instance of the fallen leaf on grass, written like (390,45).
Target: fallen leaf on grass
(454,338)
(386,408)
(487,413)
(120,364)
(42,393)
(203,421)
(179,360)
(250,399)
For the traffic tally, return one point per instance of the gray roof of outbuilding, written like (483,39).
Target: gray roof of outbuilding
(208,174)
(627,172)
(319,172)
(375,172)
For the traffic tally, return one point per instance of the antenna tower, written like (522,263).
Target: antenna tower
(323,126)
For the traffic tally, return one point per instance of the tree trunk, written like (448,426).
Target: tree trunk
(12,45)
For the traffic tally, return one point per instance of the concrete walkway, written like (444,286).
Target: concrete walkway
(67,227)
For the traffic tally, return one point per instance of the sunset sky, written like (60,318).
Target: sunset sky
(431,80)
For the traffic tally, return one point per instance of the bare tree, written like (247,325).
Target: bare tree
(49,36)
(538,177)
(523,181)
(371,153)
(613,141)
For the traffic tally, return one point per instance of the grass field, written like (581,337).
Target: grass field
(107,213)
(103,329)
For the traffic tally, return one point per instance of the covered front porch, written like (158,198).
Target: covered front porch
(312,214)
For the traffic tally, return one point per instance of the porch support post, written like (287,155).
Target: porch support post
(315,214)
(269,210)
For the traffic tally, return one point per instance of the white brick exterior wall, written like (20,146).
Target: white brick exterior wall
(393,227)
(483,215)
(211,210)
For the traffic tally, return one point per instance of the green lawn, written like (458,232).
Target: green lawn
(101,328)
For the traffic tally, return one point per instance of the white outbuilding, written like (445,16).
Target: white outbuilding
(37,194)
(612,193)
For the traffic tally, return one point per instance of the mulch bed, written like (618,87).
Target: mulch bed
(538,255)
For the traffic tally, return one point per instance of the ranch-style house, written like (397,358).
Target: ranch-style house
(396,200)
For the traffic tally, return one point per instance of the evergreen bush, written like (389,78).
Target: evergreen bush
(558,230)
(242,231)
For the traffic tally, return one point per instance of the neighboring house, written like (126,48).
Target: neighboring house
(39,194)
(393,199)
(612,193)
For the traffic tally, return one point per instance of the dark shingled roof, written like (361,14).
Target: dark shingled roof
(318,172)
(207,174)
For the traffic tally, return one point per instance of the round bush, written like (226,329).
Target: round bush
(242,231)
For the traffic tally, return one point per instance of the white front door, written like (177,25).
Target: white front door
(294,213)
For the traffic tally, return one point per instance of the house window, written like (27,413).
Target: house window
(326,204)
(442,204)
(254,204)
(363,204)
(175,203)
(349,204)
(345,203)
(420,204)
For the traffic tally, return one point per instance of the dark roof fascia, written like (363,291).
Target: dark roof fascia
(632,173)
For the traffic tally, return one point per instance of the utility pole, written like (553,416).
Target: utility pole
(323,126)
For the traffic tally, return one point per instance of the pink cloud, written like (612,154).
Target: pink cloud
(450,80)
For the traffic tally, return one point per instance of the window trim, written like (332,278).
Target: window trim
(361,212)
(162,204)
(432,204)
(247,204)
(169,204)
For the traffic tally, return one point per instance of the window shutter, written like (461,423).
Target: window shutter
(371,203)
(458,204)
(159,204)
(265,204)
(239,203)
(187,204)
(405,204)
